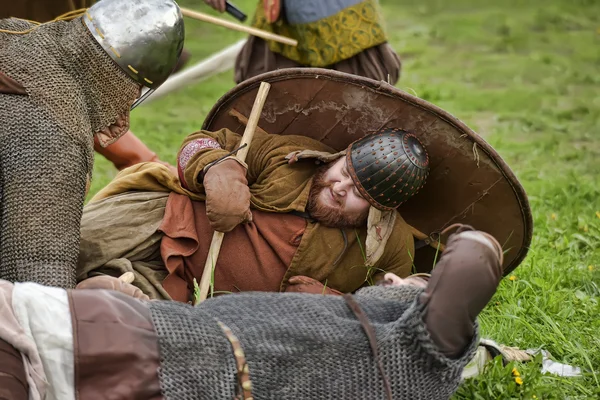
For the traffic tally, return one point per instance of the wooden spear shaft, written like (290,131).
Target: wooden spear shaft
(238,27)
(217,239)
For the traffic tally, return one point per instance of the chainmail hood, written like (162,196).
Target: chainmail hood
(74,90)
(301,346)
(82,86)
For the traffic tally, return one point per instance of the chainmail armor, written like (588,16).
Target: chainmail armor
(46,144)
(301,346)
(196,358)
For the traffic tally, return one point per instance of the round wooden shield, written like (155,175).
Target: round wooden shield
(469,183)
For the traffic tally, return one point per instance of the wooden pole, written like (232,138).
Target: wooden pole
(238,27)
(127,277)
(217,239)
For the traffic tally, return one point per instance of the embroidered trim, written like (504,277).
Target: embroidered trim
(244,384)
(329,40)
(194,147)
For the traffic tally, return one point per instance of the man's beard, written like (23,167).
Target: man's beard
(333,217)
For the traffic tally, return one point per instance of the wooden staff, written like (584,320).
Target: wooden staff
(238,27)
(217,239)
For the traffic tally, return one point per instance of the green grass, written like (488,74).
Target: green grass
(526,76)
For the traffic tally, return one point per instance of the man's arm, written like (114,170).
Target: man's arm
(204,147)
(205,165)
(200,149)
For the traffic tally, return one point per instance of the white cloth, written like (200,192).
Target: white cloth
(44,314)
(12,332)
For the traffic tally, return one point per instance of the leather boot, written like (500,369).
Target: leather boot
(461,285)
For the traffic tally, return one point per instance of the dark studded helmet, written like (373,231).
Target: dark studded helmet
(388,167)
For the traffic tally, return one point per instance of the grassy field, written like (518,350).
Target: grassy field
(526,76)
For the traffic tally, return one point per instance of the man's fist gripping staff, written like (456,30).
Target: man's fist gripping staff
(215,245)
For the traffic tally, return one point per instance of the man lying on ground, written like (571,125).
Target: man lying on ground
(402,339)
(297,208)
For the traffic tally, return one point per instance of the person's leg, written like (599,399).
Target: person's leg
(380,62)
(13,382)
(461,285)
(256,58)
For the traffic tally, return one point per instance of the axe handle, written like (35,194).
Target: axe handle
(217,239)
(238,27)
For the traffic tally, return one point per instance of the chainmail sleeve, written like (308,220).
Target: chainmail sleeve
(43,178)
(74,90)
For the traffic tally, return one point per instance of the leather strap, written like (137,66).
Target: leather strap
(370,332)
(243,372)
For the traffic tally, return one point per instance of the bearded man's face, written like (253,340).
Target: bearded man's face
(334,200)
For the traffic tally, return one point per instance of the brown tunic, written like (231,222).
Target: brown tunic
(253,257)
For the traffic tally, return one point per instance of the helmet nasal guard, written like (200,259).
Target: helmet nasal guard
(388,167)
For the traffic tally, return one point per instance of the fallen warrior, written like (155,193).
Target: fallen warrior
(403,339)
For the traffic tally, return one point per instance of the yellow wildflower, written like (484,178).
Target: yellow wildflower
(553,216)
(515,372)
(598,214)
(590,268)
(518,380)
(512,278)
(534,396)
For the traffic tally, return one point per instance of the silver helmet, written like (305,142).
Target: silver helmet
(144,37)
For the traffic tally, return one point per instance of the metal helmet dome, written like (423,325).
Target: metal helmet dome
(388,167)
(144,37)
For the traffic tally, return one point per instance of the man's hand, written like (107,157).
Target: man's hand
(227,196)
(305,284)
(111,283)
(218,5)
